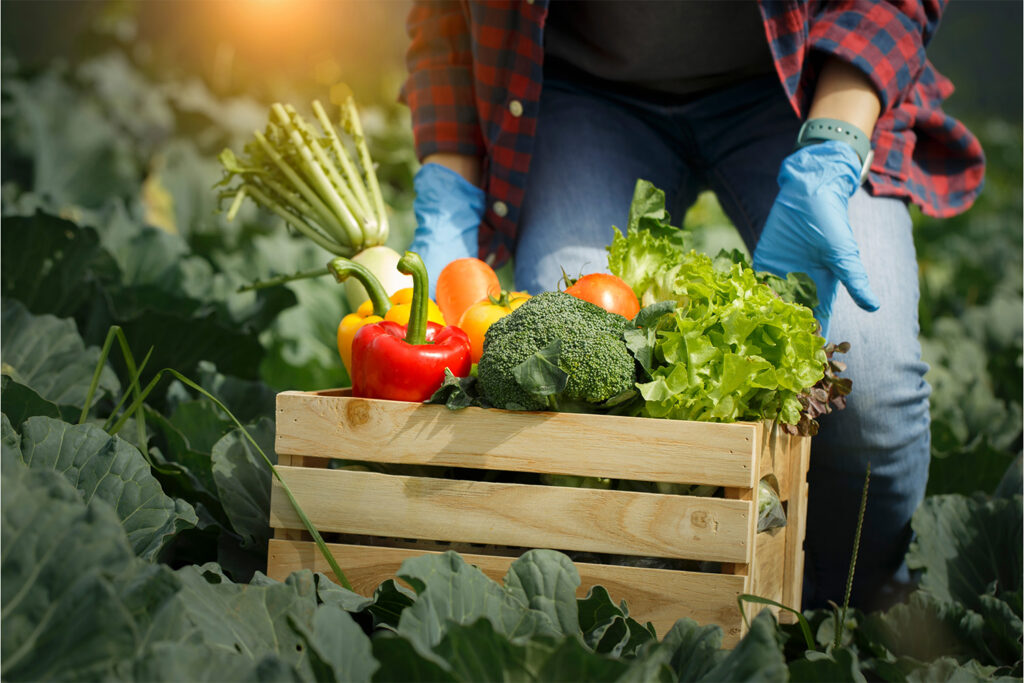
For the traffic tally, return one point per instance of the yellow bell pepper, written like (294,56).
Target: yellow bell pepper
(401,306)
(348,327)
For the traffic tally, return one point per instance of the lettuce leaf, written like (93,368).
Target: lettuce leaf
(733,348)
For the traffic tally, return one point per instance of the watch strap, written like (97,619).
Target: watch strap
(820,130)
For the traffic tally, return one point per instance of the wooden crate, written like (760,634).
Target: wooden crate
(406,515)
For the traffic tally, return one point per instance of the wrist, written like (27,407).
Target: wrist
(466,166)
(821,130)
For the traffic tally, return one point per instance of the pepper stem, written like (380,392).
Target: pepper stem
(343,268)
(416,330)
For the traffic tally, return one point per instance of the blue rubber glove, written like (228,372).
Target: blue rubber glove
(808,228)
(448,212)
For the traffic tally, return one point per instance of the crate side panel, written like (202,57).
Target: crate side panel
(774,460)
(799,450)
(619,522)
(656,595)
(768,570)
(333,426)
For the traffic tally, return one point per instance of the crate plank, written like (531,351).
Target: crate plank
(619,522)
(768,571)
(656,595)
(333,425)
(799,452)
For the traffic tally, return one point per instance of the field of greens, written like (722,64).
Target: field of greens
(134,534)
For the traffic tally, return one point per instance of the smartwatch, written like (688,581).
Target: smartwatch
(820,130)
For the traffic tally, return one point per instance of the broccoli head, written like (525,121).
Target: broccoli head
(583,340)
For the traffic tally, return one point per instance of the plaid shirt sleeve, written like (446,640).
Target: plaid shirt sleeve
(885,40)
(440,90)
(921,153)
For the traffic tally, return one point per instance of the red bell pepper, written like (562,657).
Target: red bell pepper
(407,362)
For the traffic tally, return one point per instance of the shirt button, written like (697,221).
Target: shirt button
(500,208)
(516,108)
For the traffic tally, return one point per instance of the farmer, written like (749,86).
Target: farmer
(814,124)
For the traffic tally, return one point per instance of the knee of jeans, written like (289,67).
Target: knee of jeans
(541,270)
(886,419)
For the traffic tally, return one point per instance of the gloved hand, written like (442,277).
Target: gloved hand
(448,212)
(808,228)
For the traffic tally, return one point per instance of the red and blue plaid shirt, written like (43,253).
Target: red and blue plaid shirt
(476,72)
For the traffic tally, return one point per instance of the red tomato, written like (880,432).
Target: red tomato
(607,291)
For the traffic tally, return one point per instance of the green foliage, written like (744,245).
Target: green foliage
(971,324)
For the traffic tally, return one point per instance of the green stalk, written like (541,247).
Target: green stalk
(805,627)
(124,397)
(416,330)
(317,538)
(129,361)
(341,213)
(236,203)
(355,181)
(343,269)
(297,223)
(282,279)
(329,221)
(361,210)
(853,559)
(352,117)
(298,208)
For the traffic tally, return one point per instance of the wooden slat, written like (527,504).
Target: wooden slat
(799,451)
(285,460)
(619,522)
(656,595)
(767,571)
(329,425)
(774,458)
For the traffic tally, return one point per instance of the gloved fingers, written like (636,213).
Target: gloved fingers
(828,288)
(848,268)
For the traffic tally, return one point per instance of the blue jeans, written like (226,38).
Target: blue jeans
(590,149)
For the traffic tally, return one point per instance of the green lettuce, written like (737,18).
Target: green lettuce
(733,348)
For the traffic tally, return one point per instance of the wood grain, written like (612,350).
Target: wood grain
(333,425)
(799,452)
(656,595)
(619,522)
